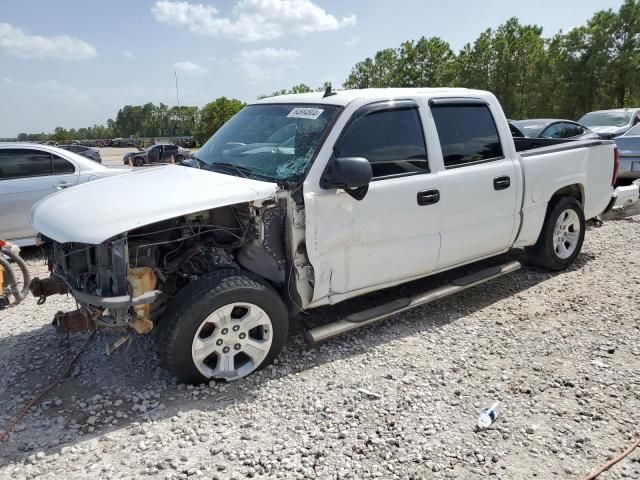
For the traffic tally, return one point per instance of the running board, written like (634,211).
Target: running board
(367,317)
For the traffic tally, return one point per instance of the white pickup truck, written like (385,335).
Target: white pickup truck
(303,201)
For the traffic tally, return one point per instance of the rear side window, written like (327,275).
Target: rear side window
(468,134)
(21,163)
(392,141)
(62,166)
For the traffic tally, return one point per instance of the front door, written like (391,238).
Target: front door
(392,234)
(155,154)
(480,197)
(26,176)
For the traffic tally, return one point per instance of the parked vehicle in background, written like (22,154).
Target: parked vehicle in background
(304,201)
(611,123)
(29,172)
(160,153)
(629,148)
(553,128)
(90,153)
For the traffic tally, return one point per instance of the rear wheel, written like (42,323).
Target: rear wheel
(222,326)
(561,237)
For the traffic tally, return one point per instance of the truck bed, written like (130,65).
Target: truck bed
(552,144)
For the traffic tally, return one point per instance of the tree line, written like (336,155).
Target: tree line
(594,66)
(591,67)
(150,120)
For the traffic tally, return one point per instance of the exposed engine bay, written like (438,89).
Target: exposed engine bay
(128,280)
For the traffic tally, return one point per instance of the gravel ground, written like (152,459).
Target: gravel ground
(399,399)
(112,156)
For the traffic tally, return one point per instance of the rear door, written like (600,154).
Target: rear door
(26,176)
(169,153)
(479,196)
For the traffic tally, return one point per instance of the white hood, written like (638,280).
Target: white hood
(96,211)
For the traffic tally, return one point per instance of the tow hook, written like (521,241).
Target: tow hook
(74,322)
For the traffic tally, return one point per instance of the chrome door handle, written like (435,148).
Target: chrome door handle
(63,185)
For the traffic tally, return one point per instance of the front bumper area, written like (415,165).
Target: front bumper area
(122,301)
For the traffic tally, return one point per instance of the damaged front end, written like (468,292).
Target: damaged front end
(127,281)
(105,284)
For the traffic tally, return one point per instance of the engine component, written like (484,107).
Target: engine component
(74,322)
(265,254)
(142,280)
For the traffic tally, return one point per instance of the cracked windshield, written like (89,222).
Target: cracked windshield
(268,142)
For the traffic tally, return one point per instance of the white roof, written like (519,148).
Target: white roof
(344,97)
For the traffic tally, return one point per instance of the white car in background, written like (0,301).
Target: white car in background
(611,123)
(30,172)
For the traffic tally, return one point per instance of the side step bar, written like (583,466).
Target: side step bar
(367,317)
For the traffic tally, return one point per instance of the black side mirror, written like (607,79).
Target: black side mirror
(352,174)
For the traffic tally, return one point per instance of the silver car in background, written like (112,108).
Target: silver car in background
(611,123)
(30,172)
(629,150)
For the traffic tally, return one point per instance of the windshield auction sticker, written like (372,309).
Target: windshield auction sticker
(310,113)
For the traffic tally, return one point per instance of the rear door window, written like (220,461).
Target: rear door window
(22,163)
(392,140)
(62,166)
(467,132)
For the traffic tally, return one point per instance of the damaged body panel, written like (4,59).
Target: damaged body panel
(140,198)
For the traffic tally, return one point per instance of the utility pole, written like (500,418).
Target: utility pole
(177,94)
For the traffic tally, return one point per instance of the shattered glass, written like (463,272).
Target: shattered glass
(268,142)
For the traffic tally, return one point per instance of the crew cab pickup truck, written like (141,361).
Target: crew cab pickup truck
(308,200)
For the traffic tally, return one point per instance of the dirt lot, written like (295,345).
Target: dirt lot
(113,156)
(396,400)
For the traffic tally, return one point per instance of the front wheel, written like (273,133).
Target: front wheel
(561,237)
(223,326)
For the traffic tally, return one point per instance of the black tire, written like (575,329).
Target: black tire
(543,253)
(188,310)
(138,162)
(179,158)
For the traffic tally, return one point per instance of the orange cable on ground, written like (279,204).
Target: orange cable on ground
(611,463)
(11,425)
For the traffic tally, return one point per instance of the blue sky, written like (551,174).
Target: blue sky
(74,63)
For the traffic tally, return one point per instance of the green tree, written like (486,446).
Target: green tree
(215,114)
(60,135)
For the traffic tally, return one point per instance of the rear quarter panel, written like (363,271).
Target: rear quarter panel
(545,173)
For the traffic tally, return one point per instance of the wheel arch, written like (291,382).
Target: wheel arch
(535,214)
(575,190)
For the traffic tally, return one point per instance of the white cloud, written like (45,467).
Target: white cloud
(20,44)
(265,64)
(270,55)
(189,68)
(353,41)
(127,54)
(251,20)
